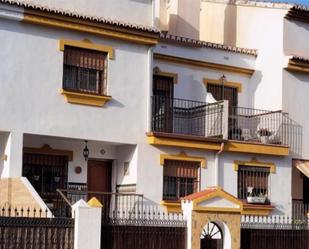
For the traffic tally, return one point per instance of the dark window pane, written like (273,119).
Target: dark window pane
(181,178)
(83,70)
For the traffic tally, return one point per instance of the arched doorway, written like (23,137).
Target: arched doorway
(212,236)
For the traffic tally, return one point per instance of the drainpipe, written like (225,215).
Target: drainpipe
(217,164)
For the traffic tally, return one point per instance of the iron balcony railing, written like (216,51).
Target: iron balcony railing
(218,120)
(112,203)
(188,117)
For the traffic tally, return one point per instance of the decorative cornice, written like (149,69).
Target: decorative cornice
(198,63)
(298,64)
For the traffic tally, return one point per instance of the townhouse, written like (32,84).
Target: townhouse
(96,98)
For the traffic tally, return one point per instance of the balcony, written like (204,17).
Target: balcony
(217,122)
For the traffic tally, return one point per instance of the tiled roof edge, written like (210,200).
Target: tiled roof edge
(108,21)
(193,42)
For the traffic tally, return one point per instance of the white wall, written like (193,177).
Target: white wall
(32,77)
(295,94)
(151,174)
(190,79)
(114,9)
(250,27)
(296,36)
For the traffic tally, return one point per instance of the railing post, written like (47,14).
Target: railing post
(225,119)
(87,229)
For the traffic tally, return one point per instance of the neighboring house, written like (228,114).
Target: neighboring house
(153,113)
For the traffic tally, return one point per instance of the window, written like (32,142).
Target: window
(46,173)
(220,92)
(254,182)
(181,178)
(84,70)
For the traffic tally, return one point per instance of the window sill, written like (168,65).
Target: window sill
(257,209)
(84,98)
(172,206)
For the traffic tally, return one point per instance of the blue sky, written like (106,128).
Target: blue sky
(304,2)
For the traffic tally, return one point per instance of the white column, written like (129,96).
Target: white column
(87,230)
(12,166)
(225,120)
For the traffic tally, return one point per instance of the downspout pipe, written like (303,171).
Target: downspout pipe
(217,160)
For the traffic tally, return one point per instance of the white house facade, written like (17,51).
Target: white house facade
(96,99)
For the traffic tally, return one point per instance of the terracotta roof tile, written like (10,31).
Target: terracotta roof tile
(78,15)
(300,59)
(197,195)
(198,43)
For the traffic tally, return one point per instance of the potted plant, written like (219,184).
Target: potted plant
(254,198)
(260,199)
(264,135)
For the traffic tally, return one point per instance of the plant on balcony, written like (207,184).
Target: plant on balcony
(264,135)
(264,132)
(254,198)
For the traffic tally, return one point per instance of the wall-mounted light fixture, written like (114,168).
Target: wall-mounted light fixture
(86,151)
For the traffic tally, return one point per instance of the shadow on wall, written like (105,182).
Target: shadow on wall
(255,80)
(179,26)
(292,29)
(230,25)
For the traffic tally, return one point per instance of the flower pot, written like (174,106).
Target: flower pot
(264,139)
(256,199)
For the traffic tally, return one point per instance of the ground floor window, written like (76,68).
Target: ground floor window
(180,178)
(46,173)
(254,184)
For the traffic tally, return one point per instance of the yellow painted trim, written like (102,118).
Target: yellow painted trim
(183,143)
(183,157)
(265,149)
(297,68)
(218,193)
(256,210)
(34,18)
(87,45)
(230,146)
(255,163)
(228,84)
(47,150)
(85,99)
(168,74)
(204,64)
(94,202)
(171,207)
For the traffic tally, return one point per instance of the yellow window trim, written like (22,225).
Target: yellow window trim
(182,156)
(157,71)
(85,99)
(228,84)
(87,45)
(255,163)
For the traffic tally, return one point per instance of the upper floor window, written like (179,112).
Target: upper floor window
(221,92)
(254,184)
(180,178)
(84,70)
